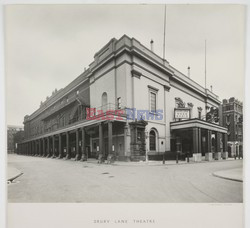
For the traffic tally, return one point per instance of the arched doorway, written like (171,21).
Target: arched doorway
(153,140)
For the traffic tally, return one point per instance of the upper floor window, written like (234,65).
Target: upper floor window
(152,102)
(199,114)
(119,102)
(152,98)
(104,99)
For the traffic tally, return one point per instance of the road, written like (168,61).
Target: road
(54,180)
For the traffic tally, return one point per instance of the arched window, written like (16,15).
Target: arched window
(152,140)
(104,99)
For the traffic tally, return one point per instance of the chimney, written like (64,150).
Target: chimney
(152,45)
(189,71)
(211,88)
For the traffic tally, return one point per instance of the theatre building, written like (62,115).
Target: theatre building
(130,105)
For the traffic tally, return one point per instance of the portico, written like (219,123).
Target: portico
(195,138)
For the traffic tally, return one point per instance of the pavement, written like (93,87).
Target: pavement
(157,163)
(13,173)
(231,174)
(55,180)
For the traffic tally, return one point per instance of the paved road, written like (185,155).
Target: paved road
(53,180)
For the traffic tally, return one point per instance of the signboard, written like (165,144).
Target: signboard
(182,113)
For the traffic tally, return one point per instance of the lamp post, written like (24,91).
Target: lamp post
(178,143)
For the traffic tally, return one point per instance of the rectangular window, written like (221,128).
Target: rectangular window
(199,114)
(152,102)
(119,102)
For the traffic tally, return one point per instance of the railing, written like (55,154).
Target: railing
(101,111)
(60,106)
(106,110)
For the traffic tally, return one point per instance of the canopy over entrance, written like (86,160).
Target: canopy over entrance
(193,123)
(197,138)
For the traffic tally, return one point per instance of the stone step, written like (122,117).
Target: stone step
(138,158)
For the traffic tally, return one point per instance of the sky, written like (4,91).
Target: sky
(48,46)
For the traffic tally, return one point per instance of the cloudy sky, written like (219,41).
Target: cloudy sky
(47,46)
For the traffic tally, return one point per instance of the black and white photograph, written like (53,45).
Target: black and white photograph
(125,103)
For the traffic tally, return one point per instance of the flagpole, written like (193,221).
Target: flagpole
(206,75)
(205,64)
(164,36)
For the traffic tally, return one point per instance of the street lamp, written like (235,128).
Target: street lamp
(178,146)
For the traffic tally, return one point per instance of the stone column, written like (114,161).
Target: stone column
(217,154)
(101,150)
(44,149)
(199,144)
(110,141)
(127,139)
(41,147)
(68,155)
(37,148)
(32,148)
(84,156)
(209,154)
(225,152)
(48,148)
(77,146)
(60,151)
(53,147)
(195,144)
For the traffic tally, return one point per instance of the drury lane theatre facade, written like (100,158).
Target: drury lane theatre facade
(156,110)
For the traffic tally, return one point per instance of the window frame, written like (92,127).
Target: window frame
(152,90)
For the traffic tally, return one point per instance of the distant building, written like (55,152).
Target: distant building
(156,111)
(12,139)
(232,112)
